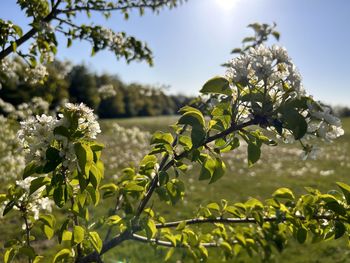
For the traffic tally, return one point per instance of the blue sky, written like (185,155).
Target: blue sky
(190,42)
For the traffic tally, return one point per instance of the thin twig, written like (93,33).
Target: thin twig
(194,221)
(166,243)
(117,8)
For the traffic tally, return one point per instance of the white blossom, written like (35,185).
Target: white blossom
(107,91)
(34,202)
(268,68)
(87,122)
(36,135)
(36,74)
(12,160)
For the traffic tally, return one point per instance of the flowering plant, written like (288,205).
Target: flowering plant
(259,101)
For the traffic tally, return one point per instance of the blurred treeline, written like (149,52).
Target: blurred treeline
(79,84)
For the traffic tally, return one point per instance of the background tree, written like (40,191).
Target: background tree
(83,87)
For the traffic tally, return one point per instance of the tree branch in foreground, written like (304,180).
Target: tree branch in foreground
(166,243)
(237,220)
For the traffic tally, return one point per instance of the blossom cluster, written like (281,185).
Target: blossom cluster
(270,72)
(31,203)
(107,91)
(114,40)
(323,123)
(12,161)
(36,74)
(8,68)
(37,133)
(268,68)
(35,106)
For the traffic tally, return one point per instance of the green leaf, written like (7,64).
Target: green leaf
(169,254)
(191,116)
(208,168)
(175,189)
(181,226)
(133,187)
(161,137)
(185,141)
(339,229)
(37,259)
(150,228)
(53,159)
(8,207)
(95,176)
(212,169)
(226,246)
(336,207)
(276,35)
(78,234)
(171,238)
(285,193)
(254,203)
(48,220)
(214,206)
(18,30)
(96,241)
(3,198)
(30,169)
(346,191)
(69,42)
(220,169)
(67,235)
(301,235)
(109,187)
(254,153)
(62,255)
(60,195)
(217,85)
(94,194)
(37,183)
(48,231)
(198,136)
(114,220)
(9,255)
(294,121)
(61,230)
(85,157)
(109,190)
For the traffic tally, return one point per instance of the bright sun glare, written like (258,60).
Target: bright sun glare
(226,4)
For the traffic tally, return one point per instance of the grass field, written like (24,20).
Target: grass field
(279,167)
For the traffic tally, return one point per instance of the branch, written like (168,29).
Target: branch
(165,167)
(119,8)
(155,180)
(30,33)
(166,243)
(224,133)
(238,220)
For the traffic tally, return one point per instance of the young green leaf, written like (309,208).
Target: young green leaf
(217,85)
(96,241)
